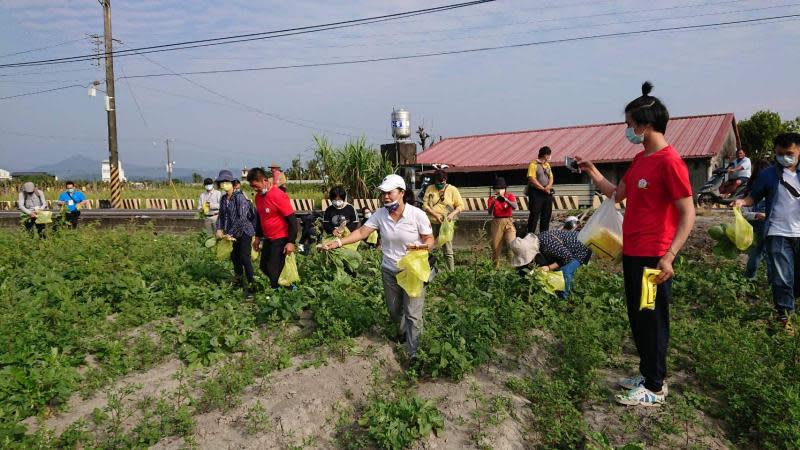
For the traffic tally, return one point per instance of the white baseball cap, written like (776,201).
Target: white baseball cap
(571,219)
(392,182)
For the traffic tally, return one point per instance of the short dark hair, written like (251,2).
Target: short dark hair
(257,173)
(337,191)
(786,140)
(208,181)
(408,196)
(648,110)
(544,151)
(69,182)
(439,175)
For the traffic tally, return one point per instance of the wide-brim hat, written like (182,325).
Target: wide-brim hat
(524,249)
(28,187)
(224,175)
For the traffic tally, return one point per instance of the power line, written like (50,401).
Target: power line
(42,92)
(250,36)
(476,50)
(41,48)
(135,101)
(295,122)
(572,27)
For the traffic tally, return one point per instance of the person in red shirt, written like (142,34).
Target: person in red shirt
(501,206)
(658,219)
(277,227)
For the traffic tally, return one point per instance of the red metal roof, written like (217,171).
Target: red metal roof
(692,137)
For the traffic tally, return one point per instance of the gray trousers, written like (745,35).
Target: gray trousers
(447,249)
(405,310)
(210,224)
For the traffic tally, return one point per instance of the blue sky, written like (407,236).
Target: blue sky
(733,69)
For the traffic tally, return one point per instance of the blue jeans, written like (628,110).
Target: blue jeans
(568,271)
(784,256)
(757,251)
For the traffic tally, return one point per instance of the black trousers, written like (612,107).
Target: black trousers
(240,257)
(72,218)
(273,259)
(541,210)
(30,223)
(650,327)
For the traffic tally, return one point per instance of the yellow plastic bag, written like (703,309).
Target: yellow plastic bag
(206,208)
(44,217)
(446,232)
(224,248)
(414,272)
(555,280)
(289,274)
(603,232)
(253,252)
(740,232)
(346,232)
(649,287)
(373,238)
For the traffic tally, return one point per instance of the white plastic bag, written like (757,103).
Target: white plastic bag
(603,232)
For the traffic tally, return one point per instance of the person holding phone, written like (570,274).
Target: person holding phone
(403,228)
(658,219)
(501,206)
(540,191)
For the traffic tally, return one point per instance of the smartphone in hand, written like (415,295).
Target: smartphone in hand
(571,164)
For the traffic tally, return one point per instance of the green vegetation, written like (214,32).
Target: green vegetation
(82,309)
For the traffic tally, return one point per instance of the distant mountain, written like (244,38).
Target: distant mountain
(82,167)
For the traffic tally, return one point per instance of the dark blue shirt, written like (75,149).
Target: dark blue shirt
(236,216)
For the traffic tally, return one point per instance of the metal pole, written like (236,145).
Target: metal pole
(169,165)
(116,188)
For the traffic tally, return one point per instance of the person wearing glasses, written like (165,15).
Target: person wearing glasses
(403,228)
(780,186)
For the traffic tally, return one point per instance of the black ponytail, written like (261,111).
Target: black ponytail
(648,110)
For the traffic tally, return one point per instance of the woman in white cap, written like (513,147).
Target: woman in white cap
(30,202)
(403,228)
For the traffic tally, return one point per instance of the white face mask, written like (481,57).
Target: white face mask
(367,215)
(209,187)
(338,203)
(500,191)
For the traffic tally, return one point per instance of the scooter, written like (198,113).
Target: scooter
(709,194)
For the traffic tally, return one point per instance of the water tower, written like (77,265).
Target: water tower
(402,151)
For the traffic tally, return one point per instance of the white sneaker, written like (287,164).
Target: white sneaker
(631,383)
(641,396)
(638,380)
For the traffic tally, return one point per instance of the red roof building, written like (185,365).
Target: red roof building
(703,141)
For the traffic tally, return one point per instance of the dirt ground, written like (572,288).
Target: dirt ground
(303,402)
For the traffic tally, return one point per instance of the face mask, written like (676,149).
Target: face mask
(392,207)
(338,203)
(633,137)
(367,215)
(786,160)
(500,191)
(439,185)
(226,186)
(264,191)
(70,190)
(209,187)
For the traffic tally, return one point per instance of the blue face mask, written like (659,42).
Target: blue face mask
(633,138)
(392,207)
(786,160)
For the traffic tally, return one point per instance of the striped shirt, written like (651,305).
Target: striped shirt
(563,246)
(236,216)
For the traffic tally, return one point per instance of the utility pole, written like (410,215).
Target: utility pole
(116,188)
(169,164)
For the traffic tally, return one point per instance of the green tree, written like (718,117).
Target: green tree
(757,133)
(356,166)
(792,125)
(197,178)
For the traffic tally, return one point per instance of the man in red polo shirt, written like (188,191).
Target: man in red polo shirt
(501,207)
(277,224)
